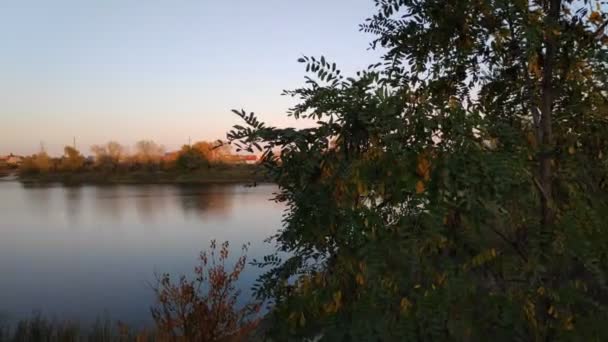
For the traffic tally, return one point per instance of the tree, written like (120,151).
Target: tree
(108,156)
(464,195)
(148,152)
(37,163)
(213,152)
(190,159)
(72,159)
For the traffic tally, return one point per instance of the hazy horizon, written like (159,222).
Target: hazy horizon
(127,70)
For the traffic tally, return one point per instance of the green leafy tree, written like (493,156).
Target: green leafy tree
(453,191)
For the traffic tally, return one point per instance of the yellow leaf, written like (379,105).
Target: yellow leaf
(302,319)
(533,66)
(453,102)
(419,187)
(338,300)
(571,150)
(423,168)
(360,279)
(440,279)
(405,304)
(568,323)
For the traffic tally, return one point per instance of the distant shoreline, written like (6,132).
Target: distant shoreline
(214,175)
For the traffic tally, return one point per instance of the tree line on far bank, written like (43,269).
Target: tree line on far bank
(147,155)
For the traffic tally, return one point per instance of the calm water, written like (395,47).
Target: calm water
(84,252)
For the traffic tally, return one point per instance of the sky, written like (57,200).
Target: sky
(166,70)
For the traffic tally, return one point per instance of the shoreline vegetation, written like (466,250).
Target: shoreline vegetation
(199,163)
(226,174)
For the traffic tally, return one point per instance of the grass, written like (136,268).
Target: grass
(39,328)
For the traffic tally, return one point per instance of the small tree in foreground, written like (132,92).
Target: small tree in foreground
(204,309)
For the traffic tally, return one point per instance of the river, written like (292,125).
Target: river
(87,252)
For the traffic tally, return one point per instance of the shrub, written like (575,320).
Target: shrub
(204,309)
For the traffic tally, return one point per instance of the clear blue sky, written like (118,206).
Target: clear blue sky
(127,70)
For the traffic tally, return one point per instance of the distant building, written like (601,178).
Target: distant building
(12,160)
(251,159)
(242,159)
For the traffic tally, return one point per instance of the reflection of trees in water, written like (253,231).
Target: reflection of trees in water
(73,199)
(39,195)
(150,201)
(207,201)
(109,201)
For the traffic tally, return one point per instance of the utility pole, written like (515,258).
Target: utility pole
(74,143)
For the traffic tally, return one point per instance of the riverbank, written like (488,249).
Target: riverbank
(213,175)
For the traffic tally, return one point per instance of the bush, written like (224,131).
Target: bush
(204,309)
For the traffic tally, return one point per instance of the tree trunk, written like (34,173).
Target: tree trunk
(547,148)
(546,119)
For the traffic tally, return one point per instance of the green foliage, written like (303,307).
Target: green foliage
(453,191)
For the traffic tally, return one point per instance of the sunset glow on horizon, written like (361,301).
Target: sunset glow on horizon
(129,70)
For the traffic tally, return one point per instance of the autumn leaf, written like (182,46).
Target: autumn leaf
(533,66)
(360,280)
(423,167)
(419,187)
(571,150)
(405,304)
(595,17)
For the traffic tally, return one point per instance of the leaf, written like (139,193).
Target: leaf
(423,167)
(571,150)
(595,17)
(420,187)
(360,280)
(405,304)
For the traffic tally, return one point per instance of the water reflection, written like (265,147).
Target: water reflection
(212,201)
(150,201)
(73,199)
(96,248)
(110,202)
